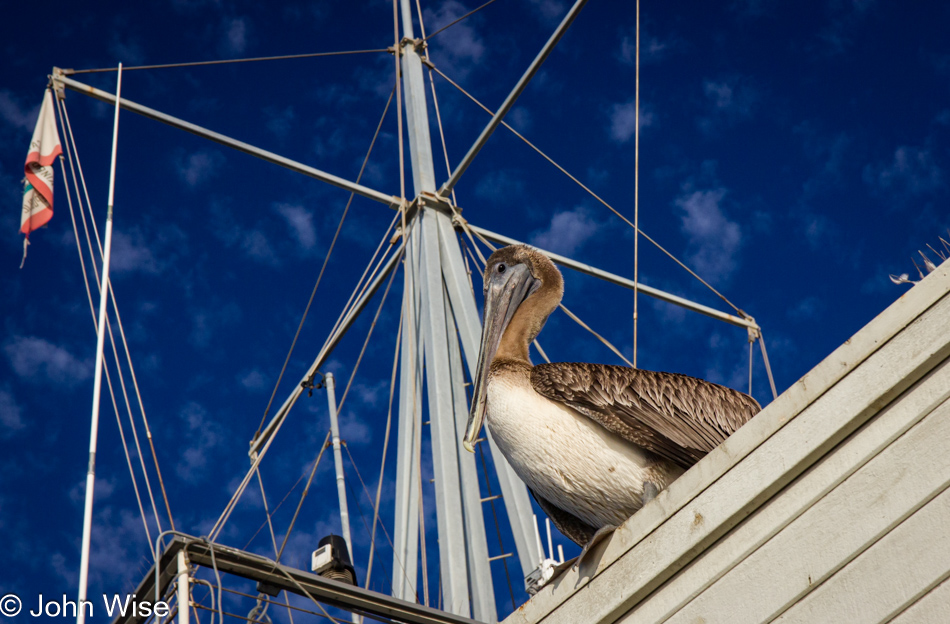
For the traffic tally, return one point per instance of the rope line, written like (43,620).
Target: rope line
(71,151)
(71,72)
(95,324)
(148,432)
(323,268)
(593,194)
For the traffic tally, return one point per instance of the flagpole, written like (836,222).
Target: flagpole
(100,343)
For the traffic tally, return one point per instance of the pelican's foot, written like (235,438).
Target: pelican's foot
(601,533)
(650,490)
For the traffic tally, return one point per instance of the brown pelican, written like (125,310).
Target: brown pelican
(593,442)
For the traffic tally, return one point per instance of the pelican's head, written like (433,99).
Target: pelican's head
(522,288)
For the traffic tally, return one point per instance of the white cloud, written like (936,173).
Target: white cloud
(568,231)
(197,167)
(279,120)
(252,242)
(235,32)
(730,100)
(713,240)
(460,48)
(623,120)
(500,185)
(40,361)
(253,380)
(300,222)
(131,253)
(128,51)
(911,172)
(202,435)
(519,118)
(550,11)
(807,309)
(11,415)
(16,114)
(652,49)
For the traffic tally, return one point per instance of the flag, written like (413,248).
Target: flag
(38,184)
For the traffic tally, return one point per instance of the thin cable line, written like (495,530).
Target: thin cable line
(273,537)
(71,152)
(592,193)
(322,269)
(303,496)
(148,432)
(369,334)
(95,323)
(472,12)
(382,463)
(70,72)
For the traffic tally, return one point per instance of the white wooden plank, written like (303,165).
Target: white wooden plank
(892,422)
(898,569)
(671,501)
(832,532)
(655,556)
(932,608)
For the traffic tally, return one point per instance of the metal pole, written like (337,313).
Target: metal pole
(97,385)
(338,466)
(184,599)
(338,463)
(626,283)
(462,299)
(465,579)
(510,100)
(406,524)
(313,172)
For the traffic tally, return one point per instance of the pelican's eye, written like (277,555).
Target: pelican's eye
(502,267)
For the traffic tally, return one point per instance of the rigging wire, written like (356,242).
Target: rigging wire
(95,324)
(70,149)
(148,432)
(273,538)
(239,491)
(326,260)
(382,463)
(472,12)
(369,335)
(71,72)
(303,495)
(593,194)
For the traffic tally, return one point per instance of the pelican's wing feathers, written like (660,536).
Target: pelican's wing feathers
(675,416)
(567,523)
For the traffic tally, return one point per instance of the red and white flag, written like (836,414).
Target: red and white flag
(38,185)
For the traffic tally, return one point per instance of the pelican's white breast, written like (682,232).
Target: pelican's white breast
(565,457)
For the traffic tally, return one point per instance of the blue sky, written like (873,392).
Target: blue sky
(793,154)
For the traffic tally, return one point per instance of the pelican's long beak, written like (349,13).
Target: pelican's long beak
(504,292)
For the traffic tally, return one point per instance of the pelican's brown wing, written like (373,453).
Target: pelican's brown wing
(677,417)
